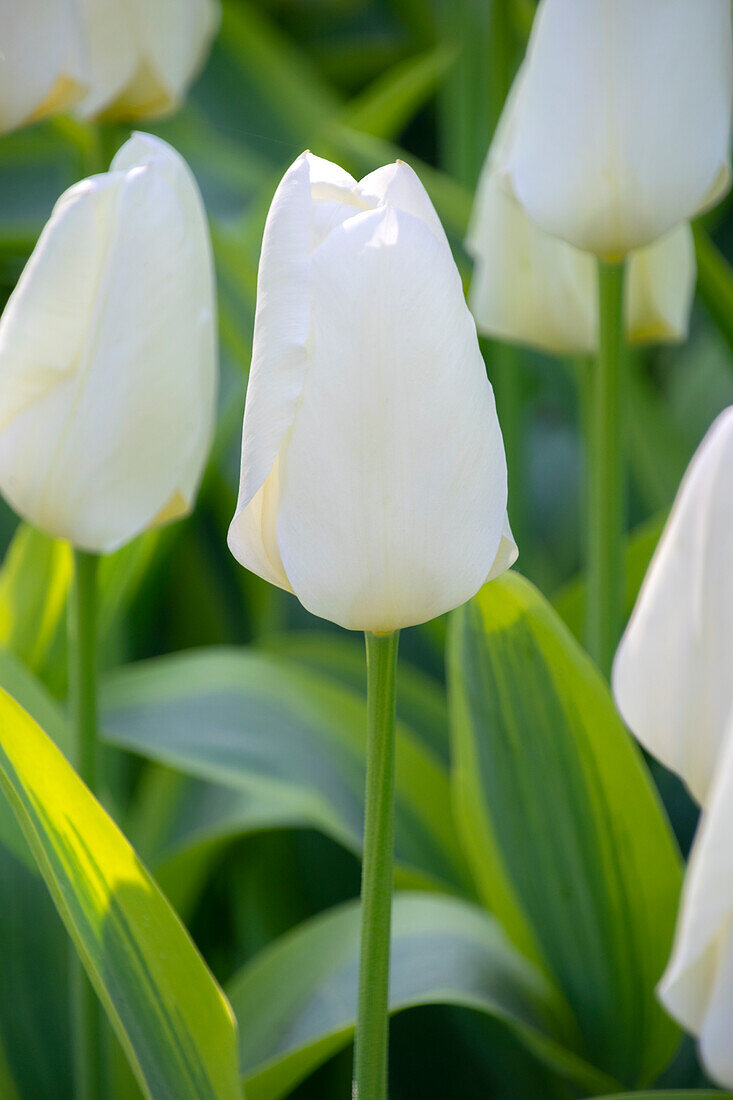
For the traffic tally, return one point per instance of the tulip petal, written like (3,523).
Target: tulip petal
(393,480)
(113,55)
(506,555)
(42,60)
(400,186)
(697,988)
(671,680)
(661,288)
(625,117)
(117,436)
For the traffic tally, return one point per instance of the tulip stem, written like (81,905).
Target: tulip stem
(372,1030)
(606,480)
(86,1018)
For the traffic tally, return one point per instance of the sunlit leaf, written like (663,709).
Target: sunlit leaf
(171,1018)
(565,832)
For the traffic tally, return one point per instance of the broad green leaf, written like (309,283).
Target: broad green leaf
(563,827)
(271,730)
(569,602)
(299,995)
(421,702)
(170,1016)
(689,1094)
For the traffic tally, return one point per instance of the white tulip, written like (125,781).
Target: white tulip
(697,988)
(108,355)
(373,471)
(42,59)
(534,289)
(623,126)
(673,674)
(145,53)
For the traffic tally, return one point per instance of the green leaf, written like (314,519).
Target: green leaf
(715,283)
(563,827)
(421,701)
(569,602)
(287,738)
(170,1016)
(388,104)
(690,1094)
(300,993)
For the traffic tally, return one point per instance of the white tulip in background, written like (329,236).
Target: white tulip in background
(673,682)
(373,470)
(43,60)
(108,355)
(697,988)
(673,674)
(535,289)
(623,123)
(144,53)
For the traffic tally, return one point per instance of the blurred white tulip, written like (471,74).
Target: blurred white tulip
(373,471)
(623,124)
(144,54)
(673,674)
(697,988)
(43,61)
(108,355)
(534,289)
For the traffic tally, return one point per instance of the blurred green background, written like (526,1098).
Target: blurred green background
(361,82)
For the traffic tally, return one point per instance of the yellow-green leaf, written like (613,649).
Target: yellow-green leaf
(172,1019)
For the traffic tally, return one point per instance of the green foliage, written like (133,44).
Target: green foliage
(171,1018)
(566,836)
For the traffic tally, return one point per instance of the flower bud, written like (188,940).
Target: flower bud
(373,472)
(672,676)
(697,988)
(535,289)
(108,355)
(623,124)
(144,54)
(42,60)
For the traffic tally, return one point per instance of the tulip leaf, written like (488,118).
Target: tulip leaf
(301,992)
(170,1016)
(565,832)
(285,740)
(388,104)
(685,1094)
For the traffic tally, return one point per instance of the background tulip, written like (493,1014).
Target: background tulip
(697,988)
(623,125)
(42,59)
(373,474)
(672,674)
(144,53)
(108,355)
(535,289)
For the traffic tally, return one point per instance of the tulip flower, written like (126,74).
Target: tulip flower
(144,54)
(697,988)
(42,60)
(108,355)
(672,674)
(373,473)
(623,124)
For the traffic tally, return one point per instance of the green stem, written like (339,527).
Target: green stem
(372,1030)
(86,1017)
(604,445)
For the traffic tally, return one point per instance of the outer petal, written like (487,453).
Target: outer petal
(42,59)
(697,988)
(535,289)
(401,187)
(312,196)
(625,119)
(672,675)
(116,439)
(506,555)
(393,482)
(661,288)
(145,53)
